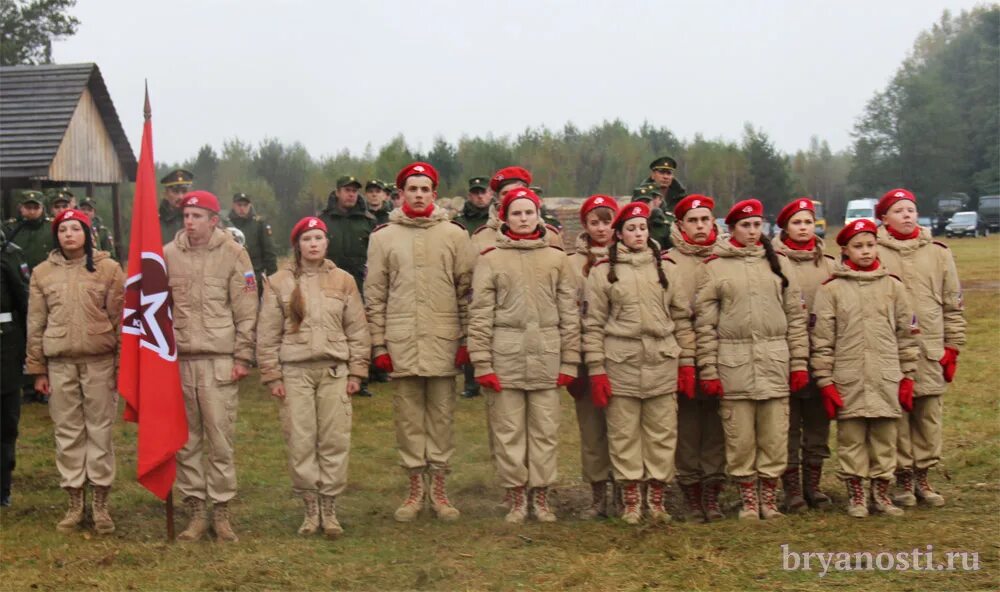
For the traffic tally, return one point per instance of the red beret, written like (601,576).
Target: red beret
(201,199)
(307,223)
(748,208)
(636,209)
(597,201)
(856,227)
(519,193)
(891,197)
(510,173)
(70,215)
(795,206)
(417,168)
(691,202)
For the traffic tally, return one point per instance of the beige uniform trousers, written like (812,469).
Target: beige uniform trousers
(701,443)
(316,422)
(866,447)
(206,467)
(425,413)
(525,429)
(642,437)
(595,460)
(756,437)
(83,406)
(919,434)
(808,431)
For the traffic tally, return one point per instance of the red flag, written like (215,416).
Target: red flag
(149,376)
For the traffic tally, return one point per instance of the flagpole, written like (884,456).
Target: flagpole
(170,517)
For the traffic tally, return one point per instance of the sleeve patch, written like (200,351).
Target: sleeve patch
(249,282)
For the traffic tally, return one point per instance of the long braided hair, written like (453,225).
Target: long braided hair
(88,245)
(613,259)
(297,305)
(772,260)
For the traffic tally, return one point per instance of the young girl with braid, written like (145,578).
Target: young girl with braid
(313,348)
(637,332)
(753,350)
(596,214)
(808,426)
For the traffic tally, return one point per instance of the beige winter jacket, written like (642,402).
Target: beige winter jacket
(73,313)
(863,341)
(487,234)
(635,331)
(751,334)
(931,281)
(417,292)
(524,325)
(334,329)
(215,297)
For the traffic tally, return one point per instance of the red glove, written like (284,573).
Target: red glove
(906,394)
(462,356)
(564,380)
(383,363)
(685,381)
(712,388)
(798,380)
(949,362)
(831,400)
(600,390)
(489,381)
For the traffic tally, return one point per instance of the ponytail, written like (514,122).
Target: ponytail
(772,260)
(817,254)
(612,259)
(297,306)
(659,262)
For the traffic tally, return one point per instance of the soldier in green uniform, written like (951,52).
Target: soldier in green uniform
(378,201)
(60,200)
(550,218)
(176,183)
(31,230)
(660,222)
(257,236)
(349,223)
(103,238)
(476,210)
(394,196)
(13,332)
(662,173)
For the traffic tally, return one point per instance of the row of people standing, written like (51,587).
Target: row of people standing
(523,326)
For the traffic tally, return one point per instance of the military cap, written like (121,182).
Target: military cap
(241,197)
(645,193)
(479,183)
(32,196)
(59,194)
(391,188)
(346,180)
(375,183)
(664,163)
(88,201)
(536,189)
(178,177)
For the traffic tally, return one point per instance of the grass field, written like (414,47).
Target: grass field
(481,552)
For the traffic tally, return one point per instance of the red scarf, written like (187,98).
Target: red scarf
(537,234)
(797,246)
(708,241)
(901,236)
(411,213)
(857,267)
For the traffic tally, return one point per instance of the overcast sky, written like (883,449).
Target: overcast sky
(336,75)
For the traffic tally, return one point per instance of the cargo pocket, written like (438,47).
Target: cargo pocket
(222,370)
(623,361)
(735,370)
(508,359)
(774,368)
(52,339)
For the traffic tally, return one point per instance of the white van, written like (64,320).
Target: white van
(860,208)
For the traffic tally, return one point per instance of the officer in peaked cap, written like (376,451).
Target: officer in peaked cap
(175,184)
